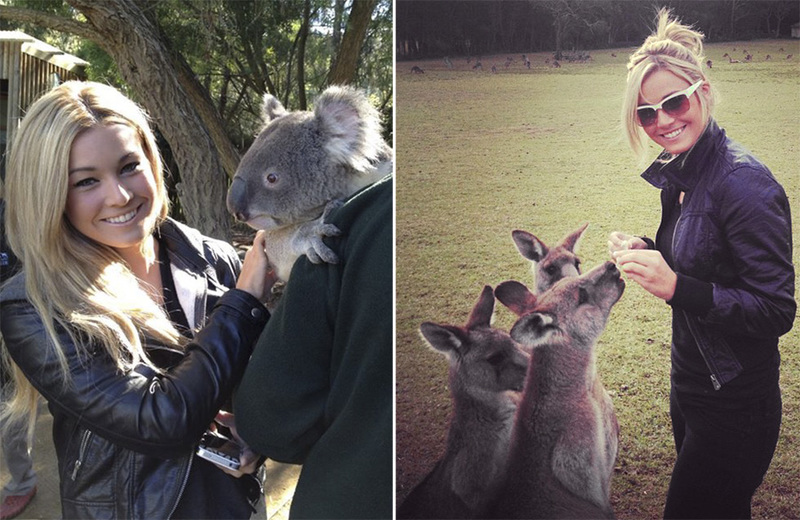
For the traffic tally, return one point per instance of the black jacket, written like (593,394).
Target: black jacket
(125,442)
(732,250)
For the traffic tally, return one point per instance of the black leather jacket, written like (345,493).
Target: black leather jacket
(125,442)
(732,249)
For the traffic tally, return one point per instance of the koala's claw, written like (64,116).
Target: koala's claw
(312,234)
(318,252)
(330,207)
(329,230)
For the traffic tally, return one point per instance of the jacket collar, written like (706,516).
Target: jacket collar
(184,246)
(684,170)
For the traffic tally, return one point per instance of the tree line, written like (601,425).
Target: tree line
(201,67)
(433,29)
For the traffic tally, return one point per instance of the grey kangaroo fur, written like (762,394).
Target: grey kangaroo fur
(302,166)
(565,436)
(487,372)
(550,265)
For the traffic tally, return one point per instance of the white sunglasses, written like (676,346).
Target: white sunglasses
(674,105)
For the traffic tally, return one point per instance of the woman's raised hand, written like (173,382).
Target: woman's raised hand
(257,276)
(618,241)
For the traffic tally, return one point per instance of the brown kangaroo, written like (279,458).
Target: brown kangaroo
(565,436)
(550,265)
(487,372)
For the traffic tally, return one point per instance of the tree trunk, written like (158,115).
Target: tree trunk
(301,56)
(336,36)
(176,102)
(344,68)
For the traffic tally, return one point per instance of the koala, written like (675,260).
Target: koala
(301,167)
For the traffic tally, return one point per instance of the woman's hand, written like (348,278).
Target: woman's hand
(248,459)
(257,276)
(618,241)
(649,269)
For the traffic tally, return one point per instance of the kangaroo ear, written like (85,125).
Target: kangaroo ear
(482,312)
(516,297)
(271,109)
(529,246)
(534,329)
(444,338)
(572,240)
(350,125)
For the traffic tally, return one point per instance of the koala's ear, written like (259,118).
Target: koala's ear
(351,126)
(444,338)
(271,109)
(534,329)
(529,246)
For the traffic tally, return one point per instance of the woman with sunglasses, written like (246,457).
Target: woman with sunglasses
(722,259)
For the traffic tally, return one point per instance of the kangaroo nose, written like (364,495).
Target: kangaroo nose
(611,268)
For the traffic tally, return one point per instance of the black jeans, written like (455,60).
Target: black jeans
(724,450)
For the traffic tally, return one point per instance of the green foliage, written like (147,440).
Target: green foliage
(481,154)
(428,29)
(243,49)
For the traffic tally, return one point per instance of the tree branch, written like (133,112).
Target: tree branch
(344,68)
(59,23)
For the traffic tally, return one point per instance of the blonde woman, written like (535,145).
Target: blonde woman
(722,259)
(132,326)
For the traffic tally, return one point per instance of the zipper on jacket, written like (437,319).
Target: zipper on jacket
(183,487)
(709,363)
(714,381)
(87,435)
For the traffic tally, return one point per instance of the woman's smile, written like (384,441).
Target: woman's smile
(111,187)
(123,219)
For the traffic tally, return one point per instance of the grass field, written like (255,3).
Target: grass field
(480,154)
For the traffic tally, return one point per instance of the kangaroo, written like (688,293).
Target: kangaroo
(565,436)
(487,372)
(550,265)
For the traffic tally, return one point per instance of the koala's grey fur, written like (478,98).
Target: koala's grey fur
(302,165)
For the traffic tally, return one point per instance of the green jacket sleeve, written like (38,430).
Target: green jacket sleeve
(318,389)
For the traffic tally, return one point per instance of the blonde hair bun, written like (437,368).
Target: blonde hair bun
(671,38)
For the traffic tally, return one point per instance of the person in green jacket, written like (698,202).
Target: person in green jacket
(318,389)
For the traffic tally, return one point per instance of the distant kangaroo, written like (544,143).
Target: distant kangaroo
(565,436)
(487,372)
(550,265)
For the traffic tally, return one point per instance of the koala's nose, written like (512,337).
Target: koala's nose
(236,200)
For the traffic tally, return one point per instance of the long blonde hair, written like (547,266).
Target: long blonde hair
(71,280)
(674,47)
